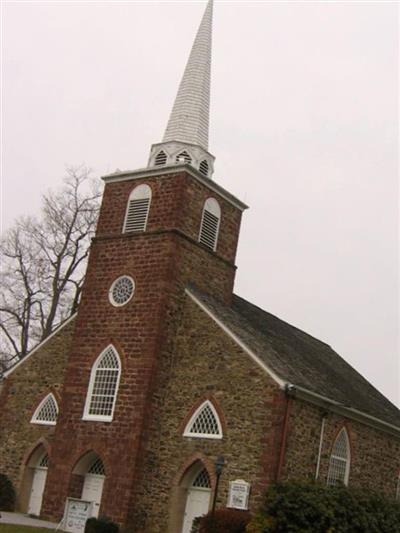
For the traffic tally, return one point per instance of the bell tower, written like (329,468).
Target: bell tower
(160,228)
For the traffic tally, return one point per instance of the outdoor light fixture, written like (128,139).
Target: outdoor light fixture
(219,464)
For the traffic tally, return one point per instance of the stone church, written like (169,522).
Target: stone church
(165,381)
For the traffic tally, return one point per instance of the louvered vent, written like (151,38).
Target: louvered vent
(161,159)
(138,209)
(183,157)
(210,224)
(204,167)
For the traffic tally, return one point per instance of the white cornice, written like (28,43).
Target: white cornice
(173,169)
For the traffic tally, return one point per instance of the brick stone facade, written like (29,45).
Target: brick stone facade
(174,355)
(20,394)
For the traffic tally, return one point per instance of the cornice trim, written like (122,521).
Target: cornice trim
(174,169)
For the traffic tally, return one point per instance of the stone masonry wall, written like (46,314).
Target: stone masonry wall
(375,455)
(161,260)
(206,363)
(21,393)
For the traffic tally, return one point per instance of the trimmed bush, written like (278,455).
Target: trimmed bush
(314,508)
(224,521)
(101,525)
(7,494)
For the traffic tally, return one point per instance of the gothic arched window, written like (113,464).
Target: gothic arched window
(137,211)
(204,423)
(46,412)
(103,386)
(339,463)
(210,221)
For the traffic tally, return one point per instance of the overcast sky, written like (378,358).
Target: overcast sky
(304,126)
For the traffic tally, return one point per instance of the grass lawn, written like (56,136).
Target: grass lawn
(8,528)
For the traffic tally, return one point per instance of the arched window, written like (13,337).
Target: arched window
(103,386)
(160,159)
(210,221)
(183,157)
(46,412)
(339,463)
(138,208)
(204,423)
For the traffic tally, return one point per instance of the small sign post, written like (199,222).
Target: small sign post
(76,513)
(239,491)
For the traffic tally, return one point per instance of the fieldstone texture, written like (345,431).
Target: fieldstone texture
(207,364)
(375,455)
(20,394)
(174,356)
(162,261)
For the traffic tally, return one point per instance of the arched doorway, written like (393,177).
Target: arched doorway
(92,470)
(198,495)
(39,463)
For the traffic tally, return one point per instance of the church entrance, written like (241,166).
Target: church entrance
(198,499)
(38,484)
(91,468)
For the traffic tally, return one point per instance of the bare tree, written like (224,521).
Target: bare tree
(43,265)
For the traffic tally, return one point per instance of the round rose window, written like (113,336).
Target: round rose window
(121,291)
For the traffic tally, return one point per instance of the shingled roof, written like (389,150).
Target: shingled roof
(300,359)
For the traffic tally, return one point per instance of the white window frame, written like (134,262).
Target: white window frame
(212,206)
(34,419)
(110,292)
(140,192)
(192,420)
(348,458)
(101,418)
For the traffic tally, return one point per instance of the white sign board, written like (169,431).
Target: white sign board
(76,514)
(239,491)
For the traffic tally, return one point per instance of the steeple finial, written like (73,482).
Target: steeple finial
(186,137)
(189,119)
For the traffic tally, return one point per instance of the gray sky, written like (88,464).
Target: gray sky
(304,126)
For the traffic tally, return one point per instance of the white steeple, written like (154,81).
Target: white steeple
(186,136)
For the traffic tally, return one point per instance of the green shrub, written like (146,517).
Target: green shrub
(101,525)
(314,508)
(224,521)
(7,494)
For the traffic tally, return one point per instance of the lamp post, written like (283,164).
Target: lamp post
(219,464)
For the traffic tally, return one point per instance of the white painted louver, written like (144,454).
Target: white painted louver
(339,463)
(137,211)
(210,221)
(47,411)
(204,167)
(160,159)
(183,157)
(204,423)
(103,386)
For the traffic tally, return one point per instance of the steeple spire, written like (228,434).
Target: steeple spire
(186,137)
(189,119)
